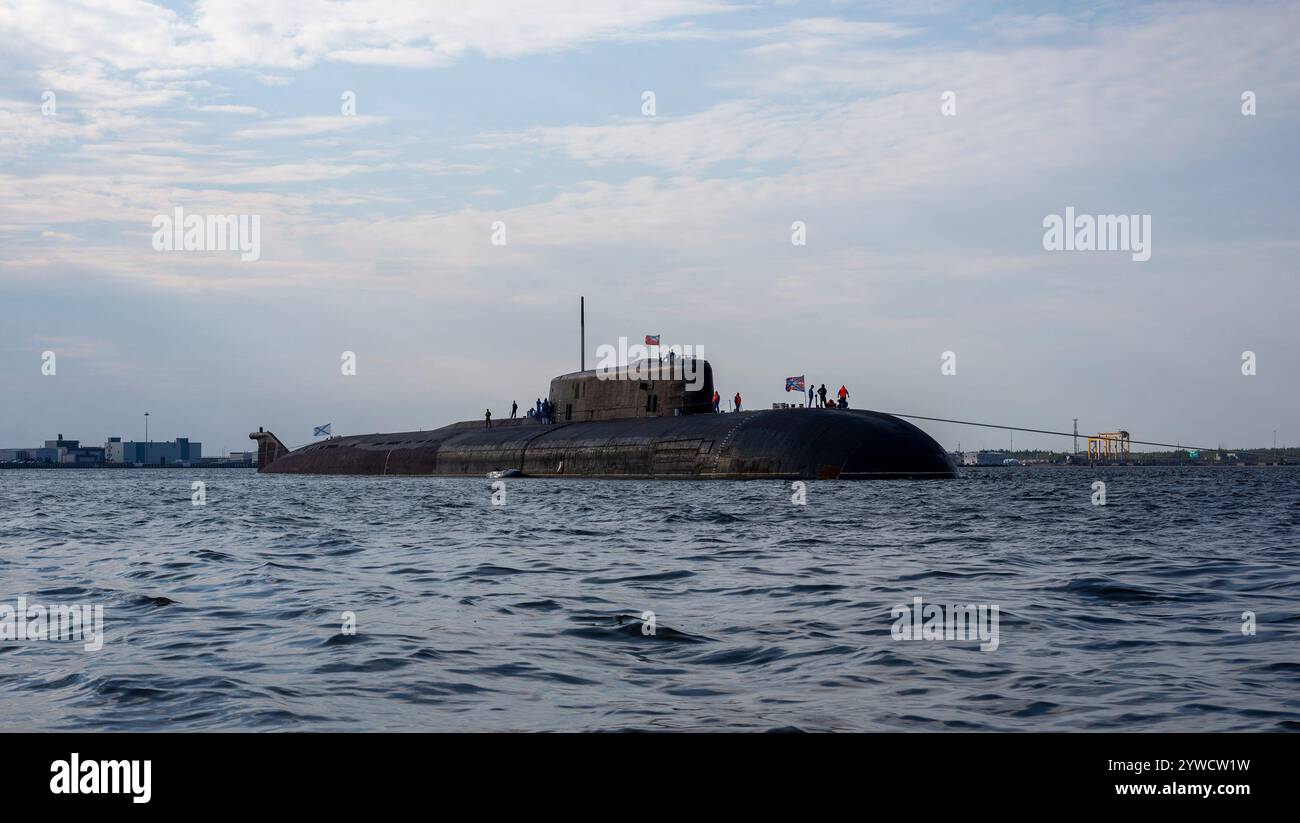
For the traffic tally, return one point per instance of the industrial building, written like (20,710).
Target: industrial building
(73,453)
(59,450)
(29,455)
(983,458)
(179,451)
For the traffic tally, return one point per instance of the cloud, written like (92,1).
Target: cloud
(805,34)
(230,108)
(23,127)
(1022,110)
(403,57)
(306,126)
(294,34)
(814,35)
(1030,27)
(730,176)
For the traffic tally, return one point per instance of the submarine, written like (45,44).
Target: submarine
(620,424)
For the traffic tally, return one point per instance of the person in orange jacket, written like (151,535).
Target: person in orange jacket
(737,401)
(717,401)
(844,397)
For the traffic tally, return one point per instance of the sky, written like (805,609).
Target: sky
(387,148)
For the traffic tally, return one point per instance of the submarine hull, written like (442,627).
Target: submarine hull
(807,444)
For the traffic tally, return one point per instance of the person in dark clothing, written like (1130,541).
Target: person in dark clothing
(537,409)
(546,410)
(821,392)
(487,414)
(811,392)
(514,409)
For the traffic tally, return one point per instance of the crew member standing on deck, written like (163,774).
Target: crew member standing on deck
(844,397)
(514,409)
(821,392)
(717,401)
(487,414)
(737,401)
(810,396)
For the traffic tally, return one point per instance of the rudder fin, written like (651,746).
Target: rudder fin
(269,448)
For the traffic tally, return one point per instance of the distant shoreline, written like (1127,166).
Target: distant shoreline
(1188,465)
(1209,466)
(118,466)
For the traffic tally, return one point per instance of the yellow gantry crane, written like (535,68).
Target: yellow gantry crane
(1109,447)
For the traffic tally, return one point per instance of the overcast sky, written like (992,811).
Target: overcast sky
(924,231)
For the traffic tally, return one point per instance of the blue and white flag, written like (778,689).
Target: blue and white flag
(321,431)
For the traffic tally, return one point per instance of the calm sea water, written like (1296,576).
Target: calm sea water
(768,615)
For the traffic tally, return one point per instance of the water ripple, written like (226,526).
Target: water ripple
(632,605)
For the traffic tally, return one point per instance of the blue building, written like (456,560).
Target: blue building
(180,450)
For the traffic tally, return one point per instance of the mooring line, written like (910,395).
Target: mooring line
(1065,434)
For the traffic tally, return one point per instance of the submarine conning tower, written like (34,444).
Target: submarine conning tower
(644,388)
